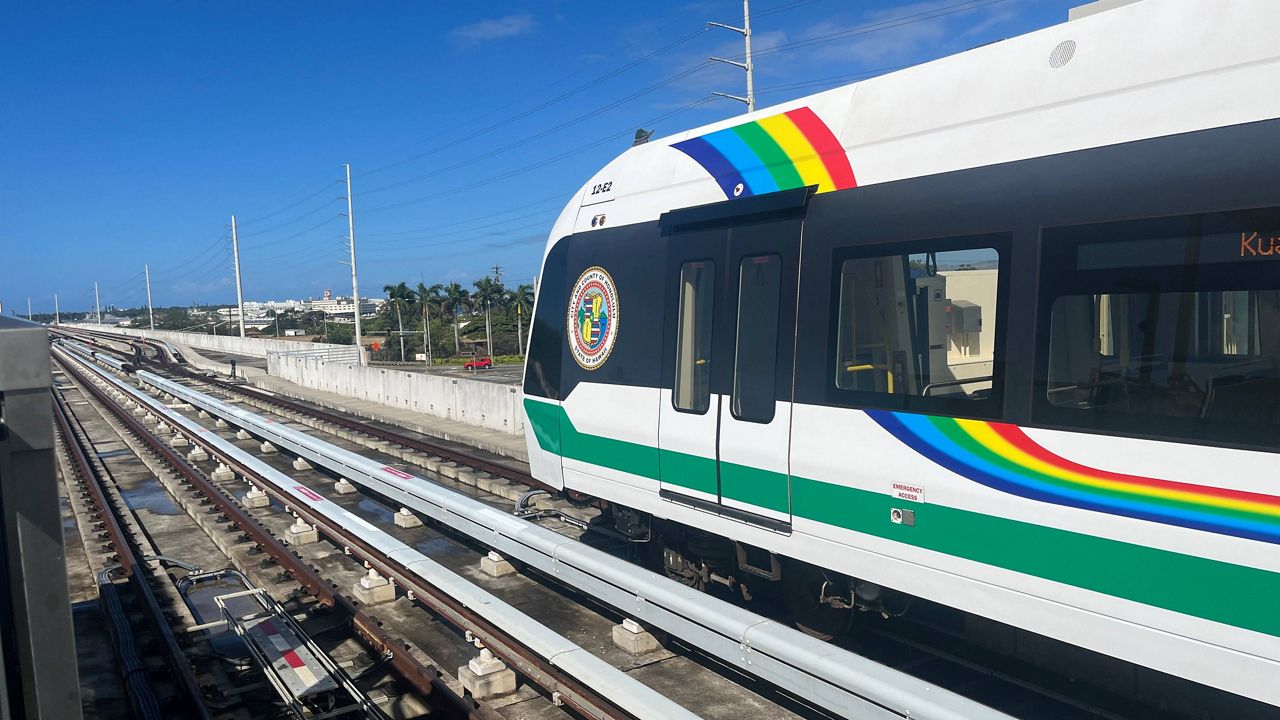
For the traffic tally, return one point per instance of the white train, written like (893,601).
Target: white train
(1001,331)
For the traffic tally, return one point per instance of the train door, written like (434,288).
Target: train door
(688,418)
(724,430)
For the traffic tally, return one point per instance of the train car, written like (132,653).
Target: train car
(1000,331)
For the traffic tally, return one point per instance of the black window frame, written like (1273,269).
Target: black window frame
(988,408)
(1058,278)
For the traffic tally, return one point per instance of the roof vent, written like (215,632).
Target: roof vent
(1062,54)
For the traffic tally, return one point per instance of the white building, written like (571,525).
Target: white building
(341,307)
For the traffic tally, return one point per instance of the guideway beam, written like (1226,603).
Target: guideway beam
(424,679)
(819,672)
(582,679)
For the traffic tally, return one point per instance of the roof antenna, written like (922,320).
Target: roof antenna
(642,137)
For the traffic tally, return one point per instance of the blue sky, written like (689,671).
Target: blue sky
(133,131)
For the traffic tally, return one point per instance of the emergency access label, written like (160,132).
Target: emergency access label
(903,491)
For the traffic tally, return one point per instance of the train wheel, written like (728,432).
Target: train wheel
(579,499)
(671,558)
(804,585)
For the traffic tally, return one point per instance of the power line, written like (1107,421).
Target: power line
(832,80)
(541,223)
(398,243)
(290,206)
(506,148)
(880,26)
(543,105)
(889,24)
(300,233)
(559,197)
(538,164)
(328,206)
(507,121)
(784,7)
(214,245)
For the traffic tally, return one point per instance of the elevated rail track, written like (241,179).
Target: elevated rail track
(553,555)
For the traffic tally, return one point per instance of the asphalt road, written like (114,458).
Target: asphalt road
(505,374)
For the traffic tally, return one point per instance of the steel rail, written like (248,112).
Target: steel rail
(125,553)
(425,679)
(451,454)
(557,664)
(818,672)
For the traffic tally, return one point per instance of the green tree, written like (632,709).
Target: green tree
(456,298)
(176,318)
(520,301)
(489,296)
(399,297)
(428,299)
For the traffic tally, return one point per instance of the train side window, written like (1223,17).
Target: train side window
(1165,327)
(917,329)
(692,388)
(756,355)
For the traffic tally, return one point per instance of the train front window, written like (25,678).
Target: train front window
(918,324)
(692,390)
(1168,327)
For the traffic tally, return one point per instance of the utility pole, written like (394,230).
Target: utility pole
(745,31)
(57,316)
(150,312)
(355,282)
(519,327)
(235,254)
(28,309)
(488,330)
(97,306)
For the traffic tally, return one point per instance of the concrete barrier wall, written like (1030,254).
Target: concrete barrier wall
(253,347)
(496,406)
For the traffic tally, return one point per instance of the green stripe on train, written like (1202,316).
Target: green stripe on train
(1218,591)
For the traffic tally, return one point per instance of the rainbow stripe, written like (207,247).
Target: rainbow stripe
(1003,457)
(779,152)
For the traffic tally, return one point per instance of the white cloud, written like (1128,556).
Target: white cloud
(496,28)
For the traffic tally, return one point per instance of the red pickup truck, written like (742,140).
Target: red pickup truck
(478,363)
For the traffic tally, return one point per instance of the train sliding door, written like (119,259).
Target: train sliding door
(725,428)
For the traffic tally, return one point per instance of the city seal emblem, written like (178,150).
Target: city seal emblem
(593,318)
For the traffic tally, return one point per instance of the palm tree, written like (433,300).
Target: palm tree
(488,292)
(428,297)
(522,299)
(399,296)
(456,297)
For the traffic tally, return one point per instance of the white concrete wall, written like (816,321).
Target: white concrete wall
(496,406)
(253,347)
